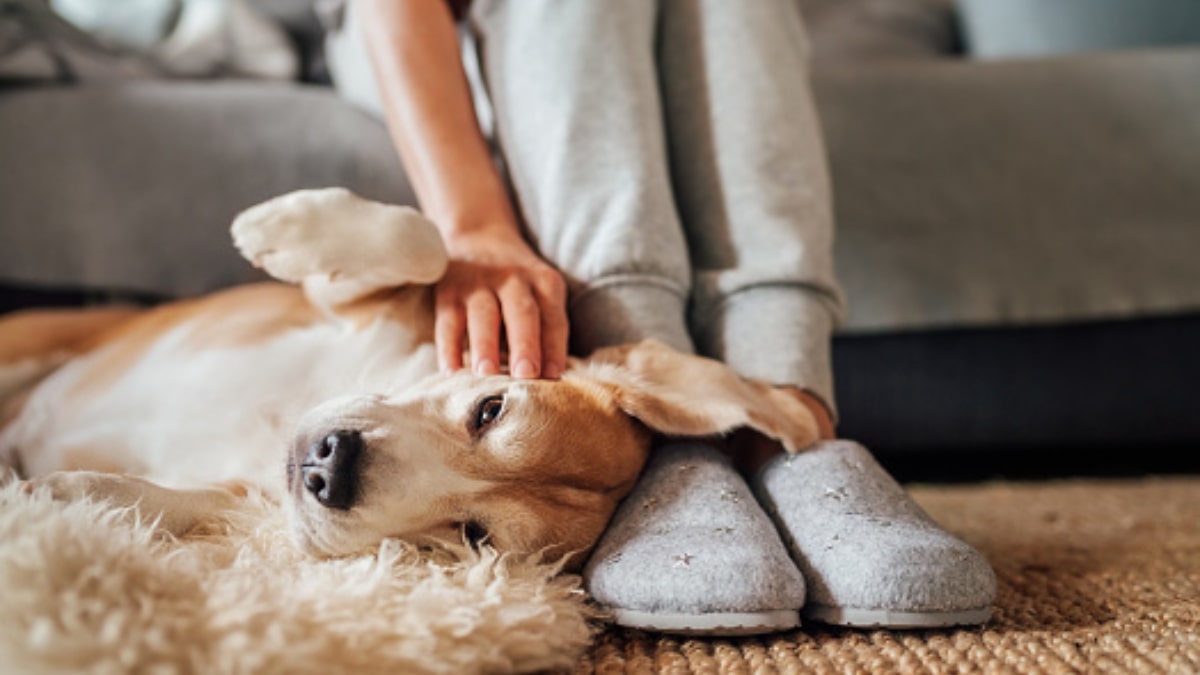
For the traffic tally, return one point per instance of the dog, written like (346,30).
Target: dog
(323,394)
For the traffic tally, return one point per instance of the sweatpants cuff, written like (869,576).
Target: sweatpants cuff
(620,312)
(777,334)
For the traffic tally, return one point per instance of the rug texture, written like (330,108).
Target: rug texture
(84,589)
(1094,577)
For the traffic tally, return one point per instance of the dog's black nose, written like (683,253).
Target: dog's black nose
(330,469)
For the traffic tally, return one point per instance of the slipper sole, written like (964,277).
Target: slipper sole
(720,623)
(854,617)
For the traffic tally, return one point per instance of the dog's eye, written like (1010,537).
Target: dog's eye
(488,411)
(474,533)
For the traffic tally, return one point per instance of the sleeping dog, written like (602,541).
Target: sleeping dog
(325,396)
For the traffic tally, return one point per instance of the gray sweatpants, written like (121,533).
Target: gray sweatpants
(666,157)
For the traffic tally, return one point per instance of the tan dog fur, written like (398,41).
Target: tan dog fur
(180,409)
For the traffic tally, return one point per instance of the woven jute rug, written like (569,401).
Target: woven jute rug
(1094,576)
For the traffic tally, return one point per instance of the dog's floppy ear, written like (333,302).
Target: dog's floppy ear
(685,395)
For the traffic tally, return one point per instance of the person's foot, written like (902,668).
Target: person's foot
(869,554)
(691,551)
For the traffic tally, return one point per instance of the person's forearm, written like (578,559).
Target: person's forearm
(415,51)
(496,288)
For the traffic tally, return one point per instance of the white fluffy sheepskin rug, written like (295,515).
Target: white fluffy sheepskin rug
(84,589)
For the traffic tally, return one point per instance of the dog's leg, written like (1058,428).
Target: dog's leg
(176,511)
(338,246)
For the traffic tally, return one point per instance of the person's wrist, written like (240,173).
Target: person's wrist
(463,234)
(483,214)
(460,226)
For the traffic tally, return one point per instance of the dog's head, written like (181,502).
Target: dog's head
(528,466)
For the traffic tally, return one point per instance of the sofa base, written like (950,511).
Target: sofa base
(1126,384)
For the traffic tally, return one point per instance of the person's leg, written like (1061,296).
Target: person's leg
(753,192)
(575,98)
(752,188)
(578,121)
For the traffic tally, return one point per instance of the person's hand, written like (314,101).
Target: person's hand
(496,280)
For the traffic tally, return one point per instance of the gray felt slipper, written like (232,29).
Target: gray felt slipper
(870,555)
(691,551)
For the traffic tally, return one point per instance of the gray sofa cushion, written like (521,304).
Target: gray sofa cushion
(134,186)
(972,193)
(968,194)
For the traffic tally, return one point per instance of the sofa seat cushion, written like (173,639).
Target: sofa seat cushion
(1000,193)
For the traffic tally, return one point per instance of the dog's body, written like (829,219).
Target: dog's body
(326,398)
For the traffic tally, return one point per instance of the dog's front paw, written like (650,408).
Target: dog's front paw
(173,511)
(333,235)
(70,486)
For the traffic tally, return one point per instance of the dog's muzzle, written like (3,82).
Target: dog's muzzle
(329,470)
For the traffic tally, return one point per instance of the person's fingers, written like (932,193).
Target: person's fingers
(483,331)
(523,327)
(448,328)
(551,293)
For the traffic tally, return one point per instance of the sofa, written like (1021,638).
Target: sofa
(1017,237)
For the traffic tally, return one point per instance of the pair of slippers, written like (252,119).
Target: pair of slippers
(695,549)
